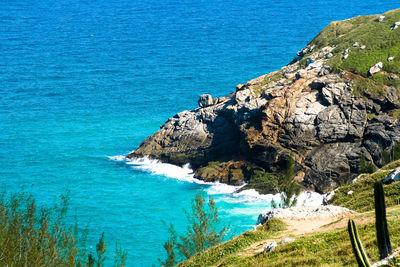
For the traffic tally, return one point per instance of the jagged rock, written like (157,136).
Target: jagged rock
(356,44)
(205,101)
(329,55)
(346,53)
(390,58)
(376,68)
(309,61)
(394,176)
(327,197)
(309,113)
(270,247)
(350,192)
(363,47)
(395,25)
(302,212)
(380,19)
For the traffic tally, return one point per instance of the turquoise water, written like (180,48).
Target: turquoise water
(82,81)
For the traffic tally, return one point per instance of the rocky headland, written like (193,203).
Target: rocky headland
(334,109)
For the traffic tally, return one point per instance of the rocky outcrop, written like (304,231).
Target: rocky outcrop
(304,111)
(303,213)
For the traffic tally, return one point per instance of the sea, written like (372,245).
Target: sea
(82,83)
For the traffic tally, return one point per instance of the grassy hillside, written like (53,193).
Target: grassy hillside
(376,43)
(330,246)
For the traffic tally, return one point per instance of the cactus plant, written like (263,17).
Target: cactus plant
(358,248)
(382,233)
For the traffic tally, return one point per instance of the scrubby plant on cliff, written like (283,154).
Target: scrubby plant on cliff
(365,167)
(201,233)
(396,151)
(290,189)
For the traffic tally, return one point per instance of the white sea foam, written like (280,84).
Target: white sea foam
(224,192)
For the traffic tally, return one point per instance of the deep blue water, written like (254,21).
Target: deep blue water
(84,80)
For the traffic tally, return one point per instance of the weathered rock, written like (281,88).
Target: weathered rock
(346,53)
(270,247)
(395,25)
(394,176)
(362,47)
(205,101)
(329,55)
(303,213)
(376,68)
(380,19)
(231,172)
(390,59)
(356,44)
(308,113)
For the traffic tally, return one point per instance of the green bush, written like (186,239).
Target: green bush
(41,237)
(364,166)
(201,232)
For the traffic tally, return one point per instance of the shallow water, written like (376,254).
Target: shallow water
(82,81)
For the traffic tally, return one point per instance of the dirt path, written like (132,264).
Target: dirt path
(298,227)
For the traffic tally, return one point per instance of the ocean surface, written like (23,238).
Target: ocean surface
(82,83)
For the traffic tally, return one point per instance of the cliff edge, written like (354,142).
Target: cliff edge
(334,109)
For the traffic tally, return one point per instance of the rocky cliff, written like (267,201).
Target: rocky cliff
(336,104)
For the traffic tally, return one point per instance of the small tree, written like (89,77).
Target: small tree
(364,166)
(201,233)
(396,151)
(290,189)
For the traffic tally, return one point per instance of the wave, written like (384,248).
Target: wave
(223,192)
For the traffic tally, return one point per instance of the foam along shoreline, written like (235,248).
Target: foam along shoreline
(185,173)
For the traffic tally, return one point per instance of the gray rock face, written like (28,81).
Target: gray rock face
(205,101)
(308,113)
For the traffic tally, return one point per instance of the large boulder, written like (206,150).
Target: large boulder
(376,68)
(205,101)
(394,176)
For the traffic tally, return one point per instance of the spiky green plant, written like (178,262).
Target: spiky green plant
(358,248)
(382,233)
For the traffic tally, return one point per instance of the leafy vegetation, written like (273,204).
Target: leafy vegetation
(41,237)
(215,254)
(365,167)
(289,188)
(200,234)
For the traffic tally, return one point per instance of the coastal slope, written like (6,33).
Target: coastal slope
(334,109)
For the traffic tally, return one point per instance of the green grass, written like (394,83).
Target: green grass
(332,248)
(263,182)
(229,248)
(380,42)
(362,198)
(269,78)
